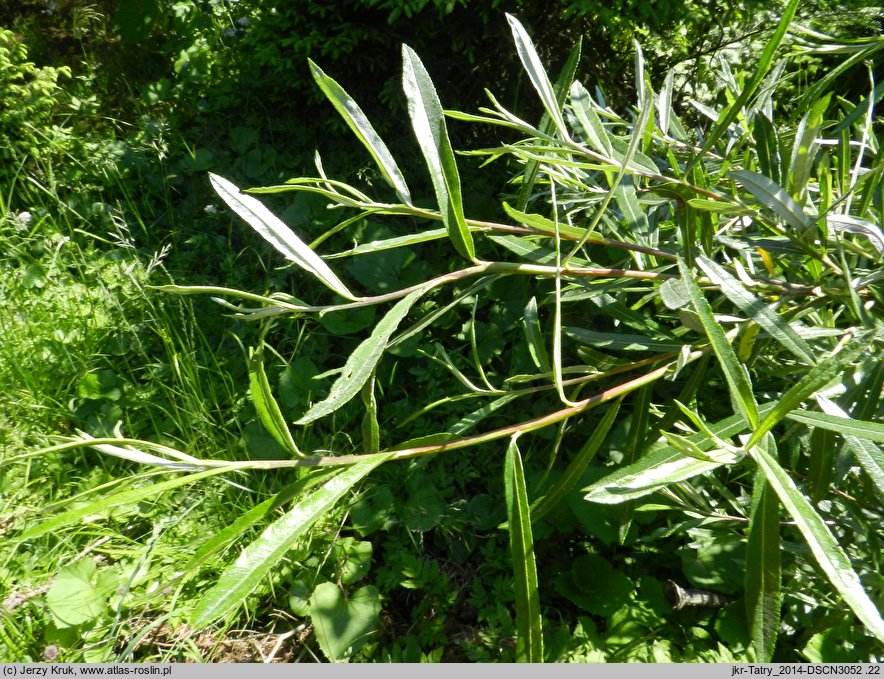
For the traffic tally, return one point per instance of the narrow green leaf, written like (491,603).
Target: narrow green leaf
(574,471)
(121,499)
(594,133)
(428,122)
(821,466)
(528,620)
(635,219)
(763,580)
(620,341)
(537,75)
(281,237)
(825,549)
(804,150)
(843,424)
(362,362)
(664,466)
(242,577)
(735,373)
(816,378)
(774,197)
(266,405)
(362,128)
(756,310)
(541,223)
(767,147)
(760,71)
(869,456)
(390,243)
(371,432)
(563,82)
(534,336)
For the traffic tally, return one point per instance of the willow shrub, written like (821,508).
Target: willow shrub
(731,284)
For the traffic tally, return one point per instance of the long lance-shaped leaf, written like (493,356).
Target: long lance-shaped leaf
(362,128)
(816,378)
(563,83)
(764,64)
(362,362)
(756,310)
(537,75)
(574,471)
(763,582)
(774,197)
(281,237)
(826,550)
(664,466)
(429,126)
(256,560)
(266,405)
(869,456)
(528,619)
(735,373)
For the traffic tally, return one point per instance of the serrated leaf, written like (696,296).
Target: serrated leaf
(528,620)
(242,577)
(735,373)
(774,197)
(757,310)
(763,584)
(429,127)
(281,237)
(825,549)
(358,122)
(362,362)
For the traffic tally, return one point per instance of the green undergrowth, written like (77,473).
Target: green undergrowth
(451,429)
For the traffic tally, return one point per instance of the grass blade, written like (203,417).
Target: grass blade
(826,550)
(428,122)
(127,497)
(281,237)
(362,362)
(362,128)
(528,620)
(735,373)
(763,577)
(537,75)
(266,405)
(756,310)
(256,560)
